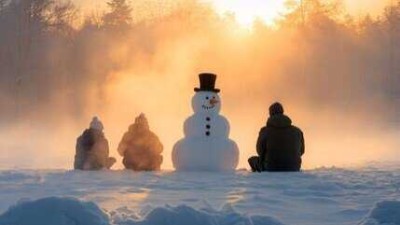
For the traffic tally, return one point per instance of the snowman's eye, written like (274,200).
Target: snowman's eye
(207,98)
(213,97)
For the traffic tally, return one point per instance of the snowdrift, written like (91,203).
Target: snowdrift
(184,215)
(53,210)
(384,213)
(71,211)
(325,196)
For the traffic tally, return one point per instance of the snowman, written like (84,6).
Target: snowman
(206,145)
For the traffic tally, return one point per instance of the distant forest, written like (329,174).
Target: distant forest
(50,56)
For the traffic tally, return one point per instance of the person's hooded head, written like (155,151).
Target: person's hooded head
(96,124)
(276,109)
(277,118)
(141,124)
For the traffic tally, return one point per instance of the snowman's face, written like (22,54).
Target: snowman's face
(206,102)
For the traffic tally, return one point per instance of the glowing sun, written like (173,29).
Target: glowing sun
(247,11)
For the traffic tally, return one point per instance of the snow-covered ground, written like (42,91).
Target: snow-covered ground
(367,196)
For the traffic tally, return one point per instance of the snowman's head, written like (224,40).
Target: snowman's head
(206,102)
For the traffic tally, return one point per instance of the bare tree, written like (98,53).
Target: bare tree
(119,15)
(392,20)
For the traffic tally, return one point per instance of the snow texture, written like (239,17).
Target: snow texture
(384,213)
(69,211)
(326,196)
(184,215)
(53,210)
(206,145)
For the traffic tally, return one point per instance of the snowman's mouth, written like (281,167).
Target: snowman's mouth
(207,107)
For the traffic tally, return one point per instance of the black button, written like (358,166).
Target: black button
(208,118)
(208,126)
(208,133)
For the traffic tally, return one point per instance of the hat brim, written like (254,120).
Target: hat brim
(212,90)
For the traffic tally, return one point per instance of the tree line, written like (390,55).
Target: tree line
(49,58)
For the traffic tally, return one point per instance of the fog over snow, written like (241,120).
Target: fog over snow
(335,71)
(335,74)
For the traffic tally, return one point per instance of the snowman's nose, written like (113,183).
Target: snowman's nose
(213,101)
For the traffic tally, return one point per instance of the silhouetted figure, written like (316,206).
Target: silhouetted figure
(280,145)
(140,147)
(92,151)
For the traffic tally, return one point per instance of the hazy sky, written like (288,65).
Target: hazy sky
(336,84)
(366,6)
(354,6)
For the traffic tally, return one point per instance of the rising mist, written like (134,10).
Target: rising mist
(336,75)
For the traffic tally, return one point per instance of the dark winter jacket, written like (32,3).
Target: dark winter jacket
(280,145)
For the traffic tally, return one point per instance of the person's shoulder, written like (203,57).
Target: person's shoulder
(297,129)
(263,129)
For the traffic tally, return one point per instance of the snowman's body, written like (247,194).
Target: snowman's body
(206,145)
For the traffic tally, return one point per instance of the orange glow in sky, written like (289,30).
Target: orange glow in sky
(247,11)
(153,69)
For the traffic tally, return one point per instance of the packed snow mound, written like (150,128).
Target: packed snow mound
(325,196)
(384,213)
(206,145)
(54,210)
(71,211)
(184,215)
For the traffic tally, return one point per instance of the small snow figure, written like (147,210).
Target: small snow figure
(140,147)
(92,152)
(206,145)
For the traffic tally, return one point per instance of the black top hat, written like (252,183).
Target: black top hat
(207,82)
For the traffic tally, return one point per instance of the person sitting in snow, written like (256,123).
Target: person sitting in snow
(92,151)
(140,147)
(280,145)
